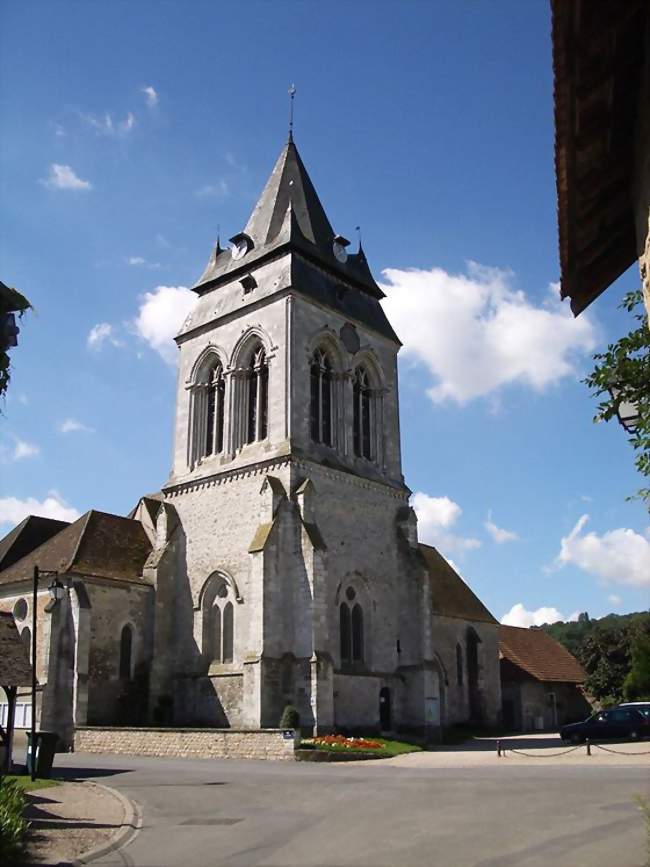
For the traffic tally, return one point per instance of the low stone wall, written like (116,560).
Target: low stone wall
(276,744)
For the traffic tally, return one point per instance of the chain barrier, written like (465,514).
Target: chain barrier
(502,749)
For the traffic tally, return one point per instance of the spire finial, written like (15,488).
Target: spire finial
(358,231)
(292,93)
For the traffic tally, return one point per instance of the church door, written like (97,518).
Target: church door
(384,709)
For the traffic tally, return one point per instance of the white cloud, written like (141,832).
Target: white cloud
(105,125)
(13,510)
(161,314)
(63,178)
(100,334)
(614,599)
(520,616)
(137,260)
(150,95)
(140,262)
(476,332)
(70,425)
(499,535)
(436,515)
(618,556)
(24,449)
(219,190)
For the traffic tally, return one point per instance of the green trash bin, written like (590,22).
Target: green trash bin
(46,743)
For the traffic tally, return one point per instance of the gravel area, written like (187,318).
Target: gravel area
(69,820)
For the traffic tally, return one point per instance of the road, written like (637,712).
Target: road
(239,814)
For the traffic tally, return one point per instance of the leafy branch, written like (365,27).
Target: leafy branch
(626,367)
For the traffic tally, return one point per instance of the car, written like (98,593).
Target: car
(618,722)
(642,706)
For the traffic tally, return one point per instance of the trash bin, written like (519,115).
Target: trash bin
(45,748)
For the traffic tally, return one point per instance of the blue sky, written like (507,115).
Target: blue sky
(132,131)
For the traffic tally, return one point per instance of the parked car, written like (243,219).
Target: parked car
(642,706)
(619,722)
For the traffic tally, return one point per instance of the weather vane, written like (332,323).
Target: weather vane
(292,93)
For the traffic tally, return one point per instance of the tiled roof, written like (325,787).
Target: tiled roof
(29,534)
(539,655)
(451,595)
(99,544)
(15,669)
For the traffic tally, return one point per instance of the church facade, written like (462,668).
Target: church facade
(280,562)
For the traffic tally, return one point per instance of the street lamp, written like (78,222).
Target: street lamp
(627,412)
(56,591)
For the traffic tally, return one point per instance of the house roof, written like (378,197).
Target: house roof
(15,669)
(29,534)
(598,55)
(450,594)
(97,543)
(539,655)
(288,214)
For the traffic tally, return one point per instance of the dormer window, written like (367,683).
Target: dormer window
(248,283)
(338,248)
(241,244)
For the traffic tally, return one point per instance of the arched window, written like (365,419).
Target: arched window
(345,631)
(459,665)
(361,414)
(257,396)
(26,638)
(321,398)
(228,633)
(218,622)
(357,633)
(126,652)
(214,412)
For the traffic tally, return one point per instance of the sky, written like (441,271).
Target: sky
(132,133)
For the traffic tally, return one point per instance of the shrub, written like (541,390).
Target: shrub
(13,825)
(290,718)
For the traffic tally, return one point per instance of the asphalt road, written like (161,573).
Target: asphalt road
(239,814)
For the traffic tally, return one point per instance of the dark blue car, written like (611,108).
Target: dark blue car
(619,722)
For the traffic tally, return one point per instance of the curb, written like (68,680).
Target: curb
(131,823)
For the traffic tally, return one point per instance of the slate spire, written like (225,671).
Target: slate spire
(289,186)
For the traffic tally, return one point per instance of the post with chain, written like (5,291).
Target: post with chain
(499,749)
(588,742)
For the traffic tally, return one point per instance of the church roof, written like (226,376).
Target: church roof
(15,669)
(539,655)
(97,544)
(451,597)
(29,534)
(288,214)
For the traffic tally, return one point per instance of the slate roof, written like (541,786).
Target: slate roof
(15,669)
(29,534)
(451,596)
(539,655)
(97,543)
(288,214)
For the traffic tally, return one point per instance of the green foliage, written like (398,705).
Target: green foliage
(626,365)
(290,718)
(605,648)
(637,683)
(13,825)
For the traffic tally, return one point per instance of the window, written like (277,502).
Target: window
(257,396)
(126,650)
(321,398)
(214,412)
(26,638)
(459,664)
(351,630)
(219,625)
(361,412)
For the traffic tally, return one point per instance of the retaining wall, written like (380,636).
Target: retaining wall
(276,744)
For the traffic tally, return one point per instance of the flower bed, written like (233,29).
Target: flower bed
(379,748)
(344,743)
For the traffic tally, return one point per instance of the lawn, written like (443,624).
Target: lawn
(380,747)
(25,782)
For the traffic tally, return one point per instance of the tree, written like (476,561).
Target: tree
(605,657)
(637,683)
(626,366)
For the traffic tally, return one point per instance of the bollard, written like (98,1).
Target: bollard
(588,746)
(499,749)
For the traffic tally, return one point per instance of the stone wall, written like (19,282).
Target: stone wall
(189,743)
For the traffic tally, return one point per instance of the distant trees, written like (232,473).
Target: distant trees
(614,652)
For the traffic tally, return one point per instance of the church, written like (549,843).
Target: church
(279,563)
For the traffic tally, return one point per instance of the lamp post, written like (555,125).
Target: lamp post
(626,411)
(56,591)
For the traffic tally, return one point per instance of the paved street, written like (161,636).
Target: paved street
(374,814)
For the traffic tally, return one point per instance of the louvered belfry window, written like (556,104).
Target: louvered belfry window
(321,398)
(361,414)
(257,383)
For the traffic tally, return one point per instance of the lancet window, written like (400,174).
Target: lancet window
(126,652)
(362,414)
(219,624)
(216,390)
(351,629)
(257,396)
(321,398)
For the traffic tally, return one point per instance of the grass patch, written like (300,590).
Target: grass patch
(25,782)
(387,749)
